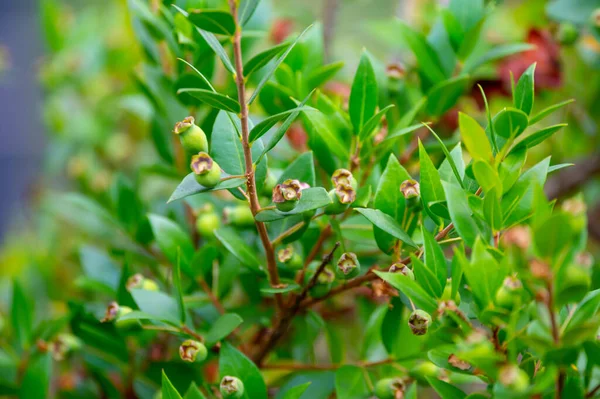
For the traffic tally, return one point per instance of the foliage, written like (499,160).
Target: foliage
(216,258)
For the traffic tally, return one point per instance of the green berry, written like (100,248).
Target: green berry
(140,282)
(192,137)
(287,194)
(514,378)
(231,388)
(192,351)
(447,294)
(341,198)
(508,294)
(239,216)
(207,171)
(207,223)
(567,34)
(402,268)
(344,176)
(419,322)
(290,258)
(348,266)
(389,388)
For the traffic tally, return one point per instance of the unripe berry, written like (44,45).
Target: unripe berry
(140,282)
(402,268)
(419,322)
(389,388)
(514,378)
(290,258)
(207,223)
(344,176)
(324,281)
(287,194)
(447,294)
(508,294)
(231,388)
(348,266)
(567,34)
(192,137)
(192,351)
(207,171)
(239,216)
(411,191)
(114,312)
(341,197)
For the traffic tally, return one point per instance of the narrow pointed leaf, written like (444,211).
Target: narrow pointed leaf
(363,97)
(213,99)
(387,224)
(215,21)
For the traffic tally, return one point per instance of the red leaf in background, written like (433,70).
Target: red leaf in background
(281,29)
(297,137)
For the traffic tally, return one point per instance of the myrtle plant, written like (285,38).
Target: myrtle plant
(318,243)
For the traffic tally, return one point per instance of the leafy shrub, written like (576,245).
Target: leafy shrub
(235,287)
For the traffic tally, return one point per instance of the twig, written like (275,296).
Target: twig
(215,301)
(325,233)
(591,393)
(284,321)
(185,329)
(250,178)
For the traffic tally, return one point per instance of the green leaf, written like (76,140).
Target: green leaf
(189,186)
(212,42)
(449,158)
(234,363)
(429,63)
(492,210)
(261,59)
(222,327)
(387,224)
(157,304)
(510,123)
(389,200)
(369,128)
(426,278)
(537,137)
(363,97)
(36,378)
(312,198)
(483,273)
(215,21)
(247,9)
(274,67)
(297,391)
(266,124)
(322,74)
(431,183)
(402,132)
(411,289)
(460,213)
(547,111)
(445,95)
(351,383)
(584,312)
(496,53)
(523,94)
(486,176)
(234,244)
(445,390)
(278,135)
(318,124)
(193,392)
(98,266)
(168,390)
(170,237)
(213,99)
(178,288)
(553,235)
(509,169)
(21,312)
(474,138)
(434,258)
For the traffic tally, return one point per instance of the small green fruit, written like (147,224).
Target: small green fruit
(287,194)
(514,378)
(567,34)
(344,176)
(231,388)
(239,216)
(114,312)
(411,191)
(419,322)
(447,294)
(507,295)
(290,258)
(348,266)
(207,223)
(341,197)
(207,171)
(192,351)
(140,282)
(192,137)
(389,388)
(402,268)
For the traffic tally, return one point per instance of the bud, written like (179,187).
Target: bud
(207,223)
(390,388)
(402,268)
(232,387)
(140,282)
(508,294)
(343,176)
(324,281)
(192,351)
(585,259)
(419,322)
(567,34)
(540,269)
(341,197)
(395,71)
(348,265)
(287,194)
(518,236)
(64,344)
(514,378)
(192,137)
(454,361)
(577,208)
(207,171)
(114,312)
(290,258)
(239,215)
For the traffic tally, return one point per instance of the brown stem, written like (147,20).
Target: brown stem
(250,178)
(591,393)
(185,329)
(284,322)
(325,233)
(215,301)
